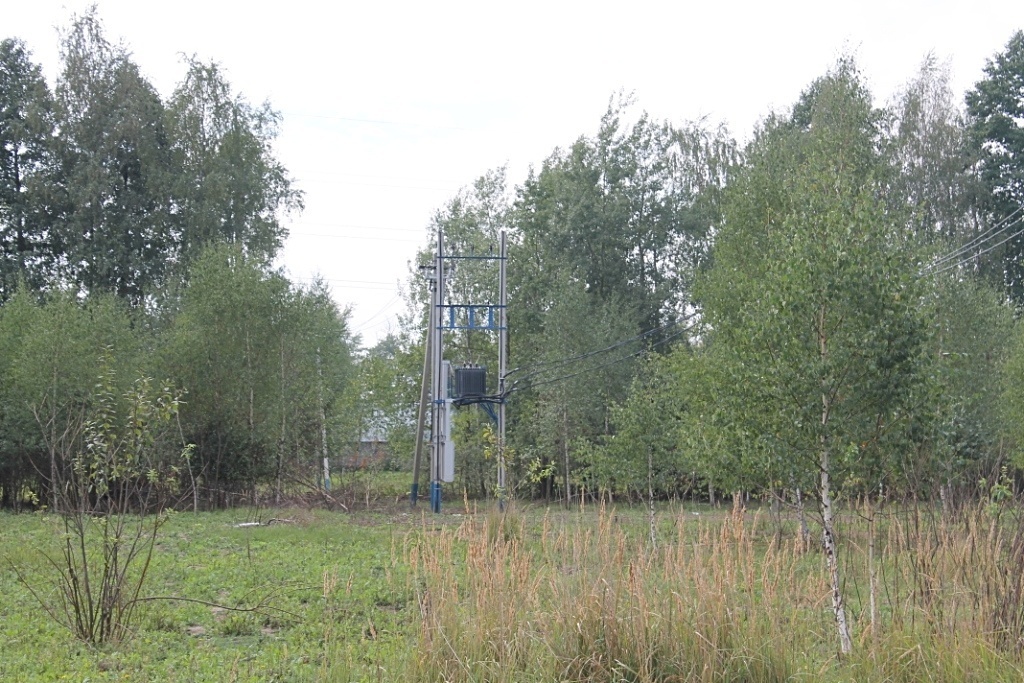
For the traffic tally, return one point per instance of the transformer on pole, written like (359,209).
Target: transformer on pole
(469,380)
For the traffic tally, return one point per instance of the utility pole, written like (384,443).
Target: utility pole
(421,410)
(437,435)
(502,364)
(436,371)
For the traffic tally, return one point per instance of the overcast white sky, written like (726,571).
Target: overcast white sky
(390,107)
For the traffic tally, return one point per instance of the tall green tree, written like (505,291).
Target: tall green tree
(609,235)
(643,455)
(116,163)
(26,171)
(929,147)
(264,366)
(814,301)
(959,427)
(228,186)
(51,349)
(627,212)
(222,350)
(996,109)
(570,375)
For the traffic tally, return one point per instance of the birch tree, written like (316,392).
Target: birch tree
(814,301)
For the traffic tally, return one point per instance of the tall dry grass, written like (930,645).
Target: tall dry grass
(725,600)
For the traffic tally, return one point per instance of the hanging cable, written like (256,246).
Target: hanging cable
(965,261)
(986,235)
(537,367)
(552,380)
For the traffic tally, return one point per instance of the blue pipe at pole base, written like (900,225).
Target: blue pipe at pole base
(415,495)
(435,496)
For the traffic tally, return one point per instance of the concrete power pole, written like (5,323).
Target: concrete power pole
(421,410)
(437,423)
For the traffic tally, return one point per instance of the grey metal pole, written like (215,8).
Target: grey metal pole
(502,365)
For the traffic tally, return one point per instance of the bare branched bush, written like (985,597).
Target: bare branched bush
(112,496)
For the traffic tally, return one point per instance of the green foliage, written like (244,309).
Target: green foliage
(625,213)
(996,107)
(958,423)
(927,144)
(47,374)
(563,405)
(115,164)
(609,236)
(812,302)
(26,170)
(382,399)
(133,188)
(229,188)
(645,448)
(1013,393)
(265,367)
(116,474)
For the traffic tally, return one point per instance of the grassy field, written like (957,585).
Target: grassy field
(536,595)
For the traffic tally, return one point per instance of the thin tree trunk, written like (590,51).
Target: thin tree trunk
(282,440)
(831,555)
(323,423)
(825,496)
(872,570)
(565,454)
(650,496)
(776,512)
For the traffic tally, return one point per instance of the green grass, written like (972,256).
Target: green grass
(327,583)
(532,595)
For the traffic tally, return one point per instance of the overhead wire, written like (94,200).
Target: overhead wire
(620,359)
(991,233)
(537,367)
(499,398)
(971,257)
(369,321)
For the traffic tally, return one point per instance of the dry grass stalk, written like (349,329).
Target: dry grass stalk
(591,599)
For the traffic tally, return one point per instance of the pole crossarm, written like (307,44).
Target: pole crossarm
(485,257)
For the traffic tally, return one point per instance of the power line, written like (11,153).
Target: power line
(986,235)
(385,308)
(374,238)
(376,122)
(967,260)
(539,367)
(553,380)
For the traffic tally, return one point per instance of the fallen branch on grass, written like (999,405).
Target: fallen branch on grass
(274,520)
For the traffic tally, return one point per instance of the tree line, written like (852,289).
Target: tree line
(689,314)
(826,312)
(137,236)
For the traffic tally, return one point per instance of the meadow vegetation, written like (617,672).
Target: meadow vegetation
(826,317)
(543,594)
